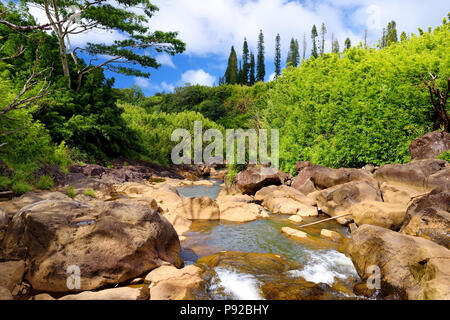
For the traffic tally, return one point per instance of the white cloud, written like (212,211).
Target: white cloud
(167,87)
(165,60)
(197,77)
(211,27)
(144,83)
(272,76)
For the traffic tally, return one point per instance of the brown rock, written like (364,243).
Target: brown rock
(429,217)
(294,233)
(323,177)
(287,200)
(333,201)
(4,222)
(5,294)
(253,179)
(295,219)
(170,283)
(262,193)
(11,274)
(43,296)
(180,224)
(111,242)
(397,194)
(411,175)
(411,267)
(12,206)
(440,179)
(381,214)
(430,145)
(125,293)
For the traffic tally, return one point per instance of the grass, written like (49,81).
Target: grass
(89,193)
(20,188)
(70,192)
(45,182)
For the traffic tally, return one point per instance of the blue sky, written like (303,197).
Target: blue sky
(211,27)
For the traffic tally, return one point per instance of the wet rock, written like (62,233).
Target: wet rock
(295,219)
(125,293)
(170,283)
(381,214)
(253,179)
(110,242)
(203,208)
(11,274)
(411,175)
(333,235)
(430,145)
(333,201)
(429,217)
(411,267)
(5,294)
(294,233)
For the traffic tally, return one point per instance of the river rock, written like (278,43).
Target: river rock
(203,208)
(170,283)
(333,201)
(238,211)
(12,206)
(440,179)
(110,243)
(397,194)
(411,175)
(287,200)
(125,293)
(294,233)
(429,217)
(295,218)
(430,145)
(11,274)
(262,193)
(5,294)
(323,177)
(381,214)
(252,179)
(411,267)
(333,235)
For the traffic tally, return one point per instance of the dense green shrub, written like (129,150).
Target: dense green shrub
(45,182)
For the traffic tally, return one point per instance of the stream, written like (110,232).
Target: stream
(319,259)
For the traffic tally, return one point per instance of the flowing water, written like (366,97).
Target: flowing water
(320,259)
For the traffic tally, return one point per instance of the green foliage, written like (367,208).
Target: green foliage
(70,192)
(445,156)
(45,182)
(20,188)
(231,74)
(5,183)
(89,193)
(155,129)
(260,64)
(365,107)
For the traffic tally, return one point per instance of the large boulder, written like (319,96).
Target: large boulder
(333,201)
(429,217)
(238,208)
(170,283)
(440,179)
(411,175)
(287,200)
(109,243)
(5,294)
(12,206)
(11,274)
(382,214)
(397,194)
(203,208)
(430,145)
(312,177)
(125,293)
(252,179)
(410,267)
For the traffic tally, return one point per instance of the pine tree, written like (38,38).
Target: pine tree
(231,75)
(314,35)
(348,43)
(240,74)
(246,63)
(261,68)
(334,45)
(252,79)
(293,58)
(391,33)
(323,32)
(277,56)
